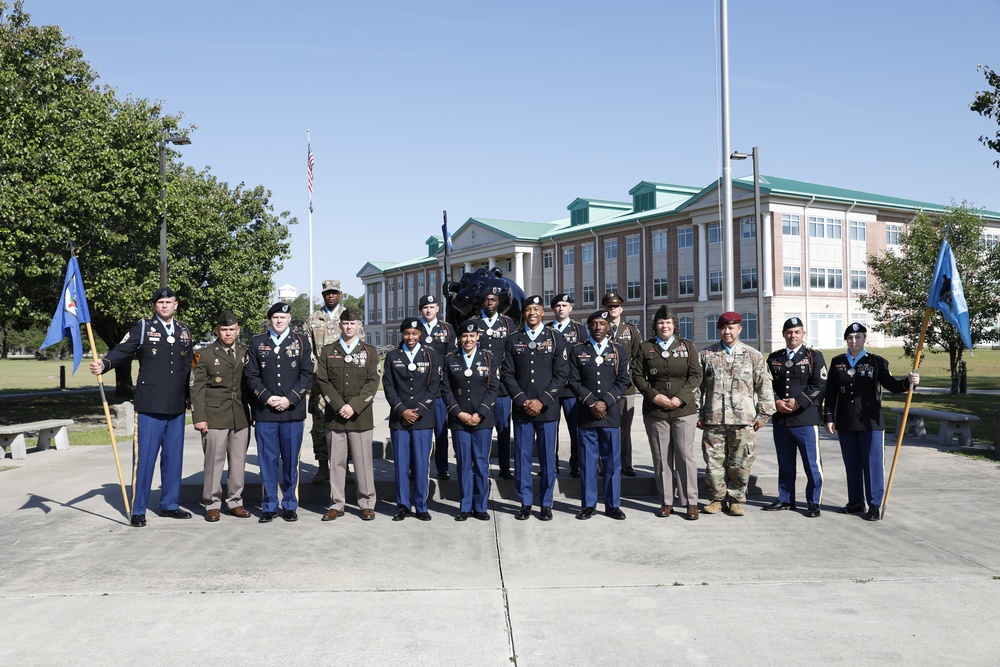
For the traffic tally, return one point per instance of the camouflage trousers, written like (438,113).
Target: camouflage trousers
(317,408)
(729,453)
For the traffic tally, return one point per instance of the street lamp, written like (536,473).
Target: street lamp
(177,140)
(755,156)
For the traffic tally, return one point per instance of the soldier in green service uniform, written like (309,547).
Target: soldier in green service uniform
(222,416)
(737,400)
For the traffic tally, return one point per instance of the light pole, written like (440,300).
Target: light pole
(759,226)
(177,140)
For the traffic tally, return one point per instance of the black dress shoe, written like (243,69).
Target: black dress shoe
(574,473)
(267,517)
(482,516)
(444,474)
(290,515)
(423,516)
(812,511)
(401,514)
(523,513)
(138,520)
(615,513)
(874,513)
(778,505)
(545,514)
(462,516)
(585,513)
(852,508)
(506,474)
(174,514)
(629,472)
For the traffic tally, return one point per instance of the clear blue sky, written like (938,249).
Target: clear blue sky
(513,109)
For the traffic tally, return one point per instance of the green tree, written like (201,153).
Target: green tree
(355,303)
(898,295)
(987,104)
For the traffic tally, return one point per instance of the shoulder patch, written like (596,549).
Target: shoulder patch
(122,341)
(197,358)
(822,373)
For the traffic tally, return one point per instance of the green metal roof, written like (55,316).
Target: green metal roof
(602,203)
(518,229)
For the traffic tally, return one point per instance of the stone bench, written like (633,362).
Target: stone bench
(48,431)
(953,425)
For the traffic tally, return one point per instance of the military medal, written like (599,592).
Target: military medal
(532,345)
(348,358)
(429,339)
(598,360)
(789,363)
(411,367)
(170,339)
(729,359)
(489,332)
(851,372)
(277,351)
(468,372)
(665,353)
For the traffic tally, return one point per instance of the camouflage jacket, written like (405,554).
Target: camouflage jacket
(323,328)
(735,390)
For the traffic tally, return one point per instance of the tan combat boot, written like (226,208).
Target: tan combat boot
(735,509)
(713,507)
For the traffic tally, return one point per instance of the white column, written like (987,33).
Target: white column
(493,262)
(383,298)
(519,268)
(468,267)
(767,270)
(703,261)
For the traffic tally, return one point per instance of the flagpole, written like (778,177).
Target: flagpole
(309,159)
(447,271)
(107,416)
(901,430)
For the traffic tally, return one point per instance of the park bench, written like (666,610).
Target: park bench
(953,424)
(48,431)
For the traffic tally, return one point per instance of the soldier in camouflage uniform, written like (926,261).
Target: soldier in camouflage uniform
(323,328)
(737,400)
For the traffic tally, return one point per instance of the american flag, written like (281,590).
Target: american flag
(310,163)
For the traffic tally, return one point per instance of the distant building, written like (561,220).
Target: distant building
(665,248)
(287,293)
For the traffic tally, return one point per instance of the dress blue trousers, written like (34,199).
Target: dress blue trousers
(603,443)
(158,433)
(501,411)
(862,452)
(440,435)
(529,437)
(568,411)
(412,446)
(472,457)
(278,446)
(805,441)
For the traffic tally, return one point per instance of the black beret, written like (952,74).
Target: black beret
(599,315)
(791,323)
(226,319)
(469,326)
(533,300)
(426,300)
(162,293)
(855,328)
(559,298)
(278,308)
(409,324)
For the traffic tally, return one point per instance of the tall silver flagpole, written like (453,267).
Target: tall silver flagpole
(309,166)
(728,285)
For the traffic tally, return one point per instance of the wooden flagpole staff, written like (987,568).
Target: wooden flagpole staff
(107,416)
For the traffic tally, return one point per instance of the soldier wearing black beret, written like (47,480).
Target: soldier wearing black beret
(494,328)
(572,333)
(438,337)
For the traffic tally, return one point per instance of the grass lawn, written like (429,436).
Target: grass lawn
(20,375)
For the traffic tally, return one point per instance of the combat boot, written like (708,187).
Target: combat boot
(735,509)
(323,474)
(713,507)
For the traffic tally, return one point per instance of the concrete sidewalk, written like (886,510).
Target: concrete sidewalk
(79,586)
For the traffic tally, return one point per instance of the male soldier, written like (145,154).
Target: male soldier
(323,330)
(438,336)
(494,329)
(736,402)
(163,345)
(630,338)
(572,333)
(599,375)
(279,372)
(222,416)
(535,369)
(348,376)
(799,380)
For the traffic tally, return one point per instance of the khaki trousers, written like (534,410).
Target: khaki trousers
(220,444)
(671,442)
(360,443)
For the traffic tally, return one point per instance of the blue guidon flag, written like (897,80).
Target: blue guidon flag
(71,312)
(947,295)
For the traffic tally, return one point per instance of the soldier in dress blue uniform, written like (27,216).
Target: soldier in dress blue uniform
(494,329)
(599,376)
(469,386)
(412,382)
(852,411)
(438,337)
(572,333)
(163,347)
(535,369)
(798,375)
(279,372)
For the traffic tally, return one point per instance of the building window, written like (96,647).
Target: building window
(569,256)
(610,287)
(659,287)
(714,232)
(820,228)
(587,253)
(633,290)
(378,338)
(420,281)
(581,216)
(791,277)
(432,279)
(711,330)
(399,283)
(858,230)
(893,234)
(817,278)
(588,294)
(632,246)
(685,285)
(611,249)
(826,278)
(409,281)
(659,241)
(548,295)
(547,259)
(400,314)
(749,326)
(789,224)
(686,327)
(859,280)
(643,202)
(715,282)
(748,279)
(991,241)
(685,237)
(508,266)
(634,321)
(748,228)
(571,293)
